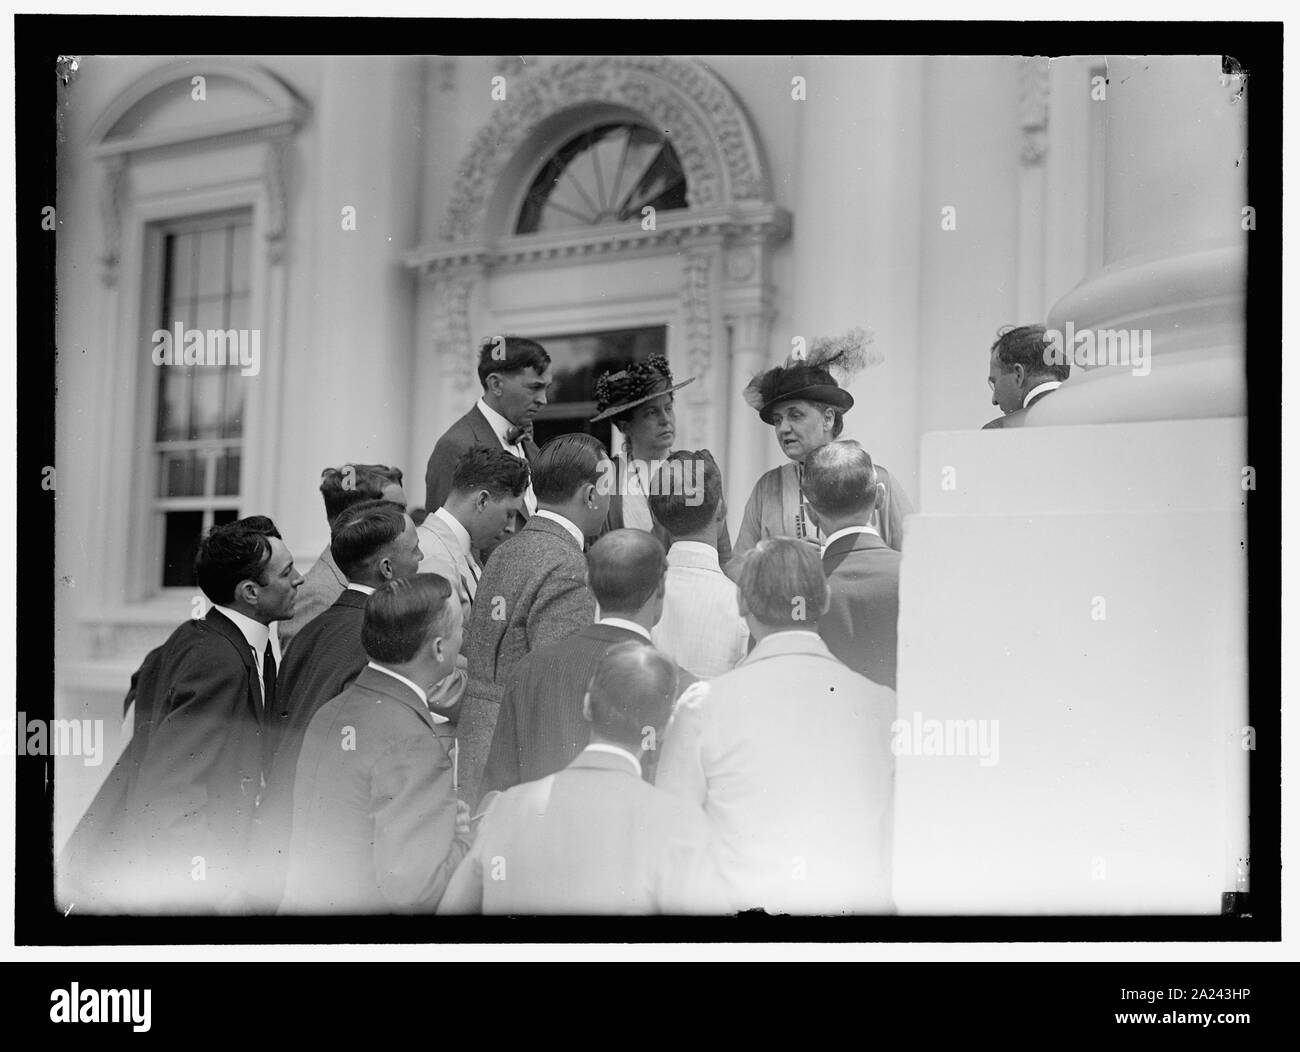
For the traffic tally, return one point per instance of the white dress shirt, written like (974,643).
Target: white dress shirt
(501,426)
(257,635)
(419,691)
(616,750)
(701,627)
(636,475)
(574,532)
(631,626)
(364,589)
(1040,389)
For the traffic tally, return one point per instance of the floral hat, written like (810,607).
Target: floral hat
(638,382)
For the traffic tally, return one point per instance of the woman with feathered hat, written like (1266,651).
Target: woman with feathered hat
(805,405)
(638,400)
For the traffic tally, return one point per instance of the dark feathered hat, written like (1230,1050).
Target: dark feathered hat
(628,388)
(810,376)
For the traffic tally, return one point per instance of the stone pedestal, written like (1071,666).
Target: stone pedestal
(1072,618)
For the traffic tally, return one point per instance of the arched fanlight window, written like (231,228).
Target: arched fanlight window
(605,175)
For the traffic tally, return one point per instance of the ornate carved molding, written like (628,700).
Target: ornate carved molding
(697,314)
(710,132)
(113,195)
(451,330)
(675,232)
(1035,89)
(276,176)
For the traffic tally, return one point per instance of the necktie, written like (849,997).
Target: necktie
(268,679)
(471,582)
(514,433)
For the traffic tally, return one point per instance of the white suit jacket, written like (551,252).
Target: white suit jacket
(789,756)
(444,556)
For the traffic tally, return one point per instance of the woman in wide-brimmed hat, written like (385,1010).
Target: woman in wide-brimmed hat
(805,405)
(638,400)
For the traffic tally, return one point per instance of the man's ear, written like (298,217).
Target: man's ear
(246,591)
(1021,375)
(481,500)
(385,568)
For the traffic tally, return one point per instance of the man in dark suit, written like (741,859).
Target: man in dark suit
(1024,367)
(540,727)
(340,488)
(515,374)
(533,590)
(594,837)
(377,827)
(373,543)
(171,826)
(861,626)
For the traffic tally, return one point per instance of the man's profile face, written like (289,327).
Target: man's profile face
(522,393)
(495,520)
(279,585)
(404,554)
(1007,385)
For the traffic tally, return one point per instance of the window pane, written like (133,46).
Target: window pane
(227,481)
(173,404)
(206,405)
(181,532)
(232,409)
(240,270)
(224,515)
(181,249)
(213,259)
(182,474)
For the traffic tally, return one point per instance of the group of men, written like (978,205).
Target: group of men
(511,707)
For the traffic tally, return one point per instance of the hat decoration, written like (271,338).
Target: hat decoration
(629,387)
(810,376)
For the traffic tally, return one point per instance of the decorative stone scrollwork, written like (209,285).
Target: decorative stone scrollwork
(451,330)
(1035,87)
(711,134)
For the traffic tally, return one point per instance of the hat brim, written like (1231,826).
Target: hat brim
(836,396)
(614,410)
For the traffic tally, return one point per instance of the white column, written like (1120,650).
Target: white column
(1174,254)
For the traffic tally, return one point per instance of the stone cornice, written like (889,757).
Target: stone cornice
(673,231)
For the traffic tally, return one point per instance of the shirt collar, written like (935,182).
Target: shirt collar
(419,691)
(847,531)
(694,553)
(1041,389)
(499,423)
(457,528)
(631,626)
(364,589)
(257,634)
(616,750)
(574,532)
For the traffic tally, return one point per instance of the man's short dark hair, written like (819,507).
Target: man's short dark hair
(783,583)
(363,530)
(502,474)
(564,464)
(402,615)
(632,691)
(839,479)
(1028,346)
(351,484)
(510,354)
(696,480)
(624,569)
(233,552)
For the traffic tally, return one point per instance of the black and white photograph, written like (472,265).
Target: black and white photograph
(830,494)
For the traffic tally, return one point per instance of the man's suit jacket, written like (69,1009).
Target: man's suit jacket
(320,587)
(1019,417)
(168,832)
(444,556)
(533,592)
(374,821)
(470,430)
(861,627)
(789,755)
(591,838)
(326,657)
(540,727)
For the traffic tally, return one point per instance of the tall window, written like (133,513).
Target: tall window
(576,362)
(605,175)
(198,432)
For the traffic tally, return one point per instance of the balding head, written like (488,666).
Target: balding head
(625,571)
(840,483)
(631,693)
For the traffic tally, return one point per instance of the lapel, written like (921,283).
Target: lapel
(223,626)
(482,430)
(382,683)
(327,557)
